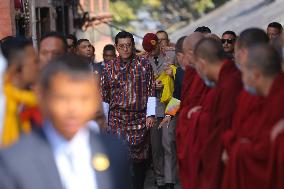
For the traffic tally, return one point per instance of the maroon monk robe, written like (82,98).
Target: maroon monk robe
(187,81)
(248,163)
(194,95)
(217,121)
(247,107)
(276,164)
(195,139)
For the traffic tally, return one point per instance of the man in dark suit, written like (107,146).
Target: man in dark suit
(65,153)
(109,53)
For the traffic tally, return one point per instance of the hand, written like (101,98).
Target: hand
(150,121)
(277,130)
(165,122)
(159,84)
(225,157)
(169,71)
(193,110)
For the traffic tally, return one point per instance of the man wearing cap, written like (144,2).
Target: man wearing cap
(160,61)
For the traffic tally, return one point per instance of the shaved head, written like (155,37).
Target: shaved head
(251,37)
(210,50)
(264,58)
(188,48)
(213,36)
(191,41)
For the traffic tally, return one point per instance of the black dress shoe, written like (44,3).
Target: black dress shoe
(169,186)
(162,187)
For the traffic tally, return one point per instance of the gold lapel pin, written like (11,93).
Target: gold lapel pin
(101,162)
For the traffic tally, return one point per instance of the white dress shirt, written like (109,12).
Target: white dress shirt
(73,159)
(3,64)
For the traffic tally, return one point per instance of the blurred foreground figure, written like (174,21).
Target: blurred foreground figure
(65,153)
(247,108)
(248,159)
(18,81)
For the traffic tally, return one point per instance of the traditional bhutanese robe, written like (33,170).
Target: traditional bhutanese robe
(127,88)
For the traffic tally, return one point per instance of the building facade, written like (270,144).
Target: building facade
(33,18)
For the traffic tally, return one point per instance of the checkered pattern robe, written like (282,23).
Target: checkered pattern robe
(126,88)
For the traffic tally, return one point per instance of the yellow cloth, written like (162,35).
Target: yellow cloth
(168,83)
(14,98)
(172,107)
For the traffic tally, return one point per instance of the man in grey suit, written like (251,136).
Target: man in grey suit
(159,60)
(65,153)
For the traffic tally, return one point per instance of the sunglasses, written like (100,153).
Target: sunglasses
(229,41)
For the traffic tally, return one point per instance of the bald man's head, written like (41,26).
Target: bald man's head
(213,36)
(191,41)
(210,50)
(265,58)
(188,48)
(209,55)
(262,66)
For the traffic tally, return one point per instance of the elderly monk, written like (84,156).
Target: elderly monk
(192,89)
(247,165)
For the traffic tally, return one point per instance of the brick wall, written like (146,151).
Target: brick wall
(7,18)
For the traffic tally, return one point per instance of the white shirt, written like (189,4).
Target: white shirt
(93,125)
(73,159)
(3,64)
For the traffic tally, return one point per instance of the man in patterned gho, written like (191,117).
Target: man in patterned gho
(160,61)
(128,92)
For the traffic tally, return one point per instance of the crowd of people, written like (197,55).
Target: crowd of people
(206,112)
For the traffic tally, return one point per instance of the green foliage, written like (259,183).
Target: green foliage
(122,12)
(202,5)
(153,3)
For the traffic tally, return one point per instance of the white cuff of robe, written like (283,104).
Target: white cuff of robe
(151,106)
(106,109)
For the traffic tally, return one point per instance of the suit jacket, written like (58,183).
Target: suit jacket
(164,59)
(30,164)
(97,67)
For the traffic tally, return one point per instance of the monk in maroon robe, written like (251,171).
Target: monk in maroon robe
(276,162)
(215,116)
(248,105)
(248,161)
(191,91)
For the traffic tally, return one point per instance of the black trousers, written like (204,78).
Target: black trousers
(139,174)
